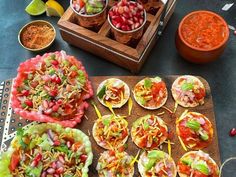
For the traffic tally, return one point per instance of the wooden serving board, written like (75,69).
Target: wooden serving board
(9,121)
(102,43)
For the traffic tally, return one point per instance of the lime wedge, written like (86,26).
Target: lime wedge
(36,7)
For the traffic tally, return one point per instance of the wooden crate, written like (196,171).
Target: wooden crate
(101,42)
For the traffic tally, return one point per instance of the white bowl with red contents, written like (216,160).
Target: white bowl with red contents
(127,20)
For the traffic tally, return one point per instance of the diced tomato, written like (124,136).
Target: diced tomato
(76,146)
(124,134)
(83,158)
(184,169)
(157,87)
(34,84)
(111,152)
(199,174)
(121,149)
(29,103)
(201,94)
(73,74)
(53,92)
(184,131)
(25,92)
(81,3)
(55,62)
(15,159)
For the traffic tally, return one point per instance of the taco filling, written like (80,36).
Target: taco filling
(114,92)
(156,163)
(110,131)
(188,91)
(195,130)
(113,163)
(197,164)
(149,132)
(150,93)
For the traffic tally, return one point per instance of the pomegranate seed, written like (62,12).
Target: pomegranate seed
(34,84)
(56,143)
(51,170)
(61,158)
(126,9)
(59,170)
(44,174)
(83,158)
(29,103)
(55,108)
(46,88)
(25,92)
(55,62)
(235,32)
(45,104)
(130,22)
(141,21)
(232,132)
(59,102)
(53,93)
(58,80)
(136,25)
(54,165)
(135,19)
(124,28)
(48,111)
(118,25)
(51,104)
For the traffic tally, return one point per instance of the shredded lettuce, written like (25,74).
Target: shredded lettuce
(34,172)
(20,135)
(45,144)
(147,83)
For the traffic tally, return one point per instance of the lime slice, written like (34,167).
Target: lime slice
(53,8)
(36,7)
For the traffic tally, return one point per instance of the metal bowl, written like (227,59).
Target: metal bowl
(35,22)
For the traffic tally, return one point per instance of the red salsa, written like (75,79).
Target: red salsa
(203,30)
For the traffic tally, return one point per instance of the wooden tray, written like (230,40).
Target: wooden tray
(9,122)
(101,42)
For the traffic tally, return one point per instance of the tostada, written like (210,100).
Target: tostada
(195,130)
(114,92)
(188,91)
(150,93)
(110,131)
(156,163)
(148,132)
(197,164)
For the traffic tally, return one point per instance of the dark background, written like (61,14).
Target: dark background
(163,60)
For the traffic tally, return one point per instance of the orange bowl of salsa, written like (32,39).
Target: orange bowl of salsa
(201,36)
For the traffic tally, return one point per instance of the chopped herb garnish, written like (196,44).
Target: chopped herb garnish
(102,92)
(147,83)
(187,86)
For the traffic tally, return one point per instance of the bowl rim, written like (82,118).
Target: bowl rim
(33,22)
(92,15)
(202,49)
(131,31)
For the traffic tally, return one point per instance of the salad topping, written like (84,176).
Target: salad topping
(149,132)
(111,131)
(150,93)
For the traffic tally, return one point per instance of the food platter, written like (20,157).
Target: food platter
(9,121)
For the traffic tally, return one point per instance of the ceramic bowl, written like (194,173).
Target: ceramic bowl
(196,54)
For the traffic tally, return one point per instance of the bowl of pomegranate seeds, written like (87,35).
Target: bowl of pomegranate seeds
(127,20)
(90,13)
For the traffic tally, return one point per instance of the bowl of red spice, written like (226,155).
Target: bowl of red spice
(202,36)
(127,20)
(37,35)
